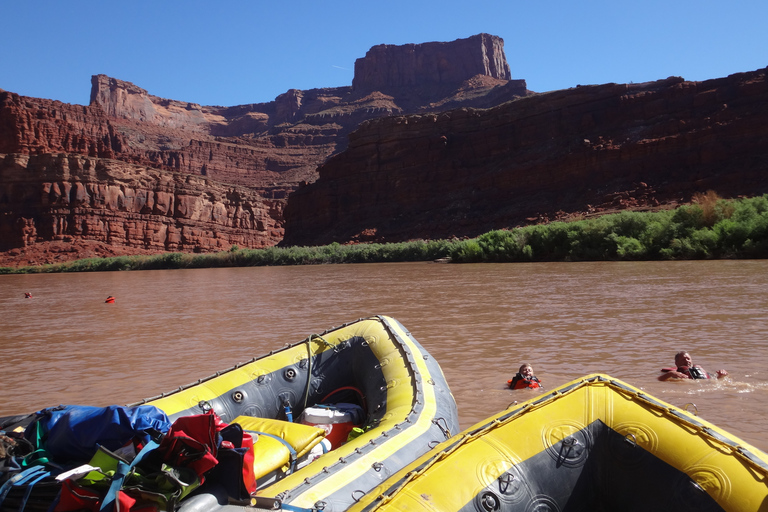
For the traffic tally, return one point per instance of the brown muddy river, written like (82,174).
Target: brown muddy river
(169,328)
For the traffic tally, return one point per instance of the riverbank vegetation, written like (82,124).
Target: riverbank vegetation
(709,228)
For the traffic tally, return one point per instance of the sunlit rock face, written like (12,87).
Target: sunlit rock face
(63,197)
(63,164)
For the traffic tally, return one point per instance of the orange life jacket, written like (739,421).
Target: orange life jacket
(520,382)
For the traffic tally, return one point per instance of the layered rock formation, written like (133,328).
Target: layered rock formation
(584,150)
(67,197)
(132,126)
(270,148)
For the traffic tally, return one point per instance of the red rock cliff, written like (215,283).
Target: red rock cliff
(66,197)
(585,150)
(270,148)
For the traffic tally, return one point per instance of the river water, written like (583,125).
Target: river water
(168,328)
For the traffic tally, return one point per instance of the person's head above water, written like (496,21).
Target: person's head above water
(683,358)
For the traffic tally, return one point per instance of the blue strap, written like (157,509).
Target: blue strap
(293,508)
(117,482)
(21,478)
(291,449)
(29,489)
(120,473)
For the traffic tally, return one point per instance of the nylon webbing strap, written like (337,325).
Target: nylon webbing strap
(31,484)
(295,509)
(122,470)
(29,476)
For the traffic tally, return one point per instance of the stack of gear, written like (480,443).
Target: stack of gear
(121,458)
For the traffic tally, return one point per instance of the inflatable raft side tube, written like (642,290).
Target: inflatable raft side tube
(594,433)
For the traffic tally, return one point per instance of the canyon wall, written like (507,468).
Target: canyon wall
(269,149)
(65,197)
(430,141)
(581,151)
(133,127)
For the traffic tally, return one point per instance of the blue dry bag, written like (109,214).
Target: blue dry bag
(74,432)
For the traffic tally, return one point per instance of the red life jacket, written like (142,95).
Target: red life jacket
(520,382)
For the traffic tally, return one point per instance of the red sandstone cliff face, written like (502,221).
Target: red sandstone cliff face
(67,197)
(583,150)
(270,148)
(132,128)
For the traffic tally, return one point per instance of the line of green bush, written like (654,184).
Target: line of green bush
(709,228)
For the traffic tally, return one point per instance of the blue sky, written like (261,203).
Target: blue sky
(237,52)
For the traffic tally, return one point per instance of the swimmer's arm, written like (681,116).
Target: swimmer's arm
(672,375)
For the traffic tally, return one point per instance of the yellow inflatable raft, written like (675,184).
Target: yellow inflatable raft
(593,444)
(372,370)
(375,362)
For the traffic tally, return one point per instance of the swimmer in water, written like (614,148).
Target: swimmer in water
(524,378)
(687,370)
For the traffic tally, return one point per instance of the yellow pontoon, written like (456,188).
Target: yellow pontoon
(593,444)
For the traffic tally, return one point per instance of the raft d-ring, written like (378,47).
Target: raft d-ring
(238,396)
(320,505)
(632,442)
(446,431)
(377,466)
(695,409)
(490,502)
(505,480)
(358,491)
(204,405)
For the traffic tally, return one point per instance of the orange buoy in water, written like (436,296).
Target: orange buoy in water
(110,300)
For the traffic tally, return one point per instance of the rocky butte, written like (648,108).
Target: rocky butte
(135,173)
